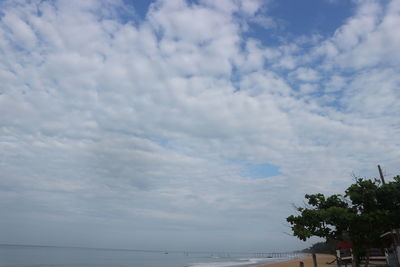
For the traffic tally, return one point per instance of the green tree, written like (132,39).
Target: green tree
(322,247)
(360,216)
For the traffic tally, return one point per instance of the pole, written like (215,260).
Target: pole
(314,259)
(381,174)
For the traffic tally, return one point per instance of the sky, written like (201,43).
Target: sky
(189,125)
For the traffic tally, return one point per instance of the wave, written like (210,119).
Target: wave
(240,262)
(246,262)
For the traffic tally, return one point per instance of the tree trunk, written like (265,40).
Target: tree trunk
(356,261)
(367,259)
(356,258)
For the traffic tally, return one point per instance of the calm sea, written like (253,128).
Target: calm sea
(43,256)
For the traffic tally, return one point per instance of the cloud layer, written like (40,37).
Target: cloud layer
(129,132)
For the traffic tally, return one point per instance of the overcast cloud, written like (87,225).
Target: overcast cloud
(184,128)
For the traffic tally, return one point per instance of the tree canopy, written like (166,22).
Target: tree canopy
(367,209)
(322,247)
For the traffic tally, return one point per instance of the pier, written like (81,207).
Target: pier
(278,255)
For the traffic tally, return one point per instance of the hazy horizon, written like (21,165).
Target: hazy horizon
(275,253)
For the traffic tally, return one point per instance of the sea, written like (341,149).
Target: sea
(49,256)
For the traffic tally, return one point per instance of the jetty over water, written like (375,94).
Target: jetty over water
(292,255)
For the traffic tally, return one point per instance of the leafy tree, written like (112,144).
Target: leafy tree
(360,216)
(322,247)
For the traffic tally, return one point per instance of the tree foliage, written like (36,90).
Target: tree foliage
(365,211)
(322,247)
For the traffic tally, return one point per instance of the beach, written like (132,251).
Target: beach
(322,260)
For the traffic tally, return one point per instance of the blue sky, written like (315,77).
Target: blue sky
(310,17)
(189,125)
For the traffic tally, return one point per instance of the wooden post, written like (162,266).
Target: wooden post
(338,258)
(381,174)
(301,264)
(314,259)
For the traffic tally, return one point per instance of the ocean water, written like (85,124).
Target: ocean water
(44,256)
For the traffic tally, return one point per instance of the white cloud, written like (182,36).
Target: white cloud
(20,30)
(335,83)
(307,88)
(306,74)
(366,39)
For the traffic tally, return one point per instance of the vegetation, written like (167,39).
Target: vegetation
(366,210)
(322,247)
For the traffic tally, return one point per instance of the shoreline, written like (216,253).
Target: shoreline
(322,261)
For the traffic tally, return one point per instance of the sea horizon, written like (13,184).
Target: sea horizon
(147,250)
(28,255)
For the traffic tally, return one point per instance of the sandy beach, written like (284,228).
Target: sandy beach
(322,260)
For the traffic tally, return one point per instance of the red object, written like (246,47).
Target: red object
(343,244)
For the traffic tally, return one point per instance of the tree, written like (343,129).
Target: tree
(360,216)
(322,247)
